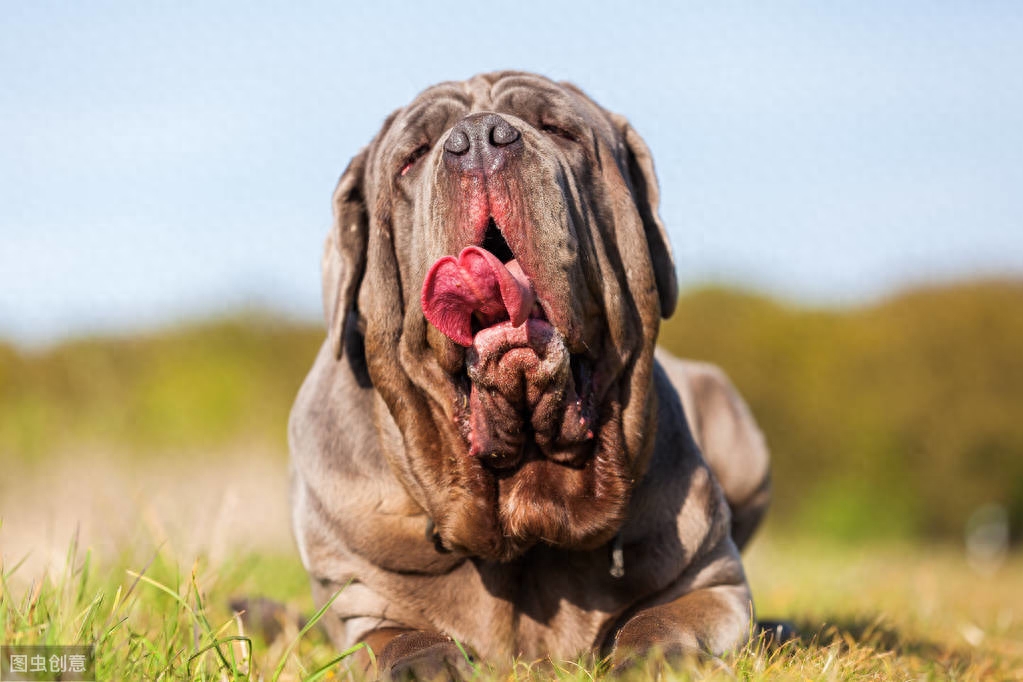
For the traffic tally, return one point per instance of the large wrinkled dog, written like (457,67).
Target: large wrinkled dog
(488,447)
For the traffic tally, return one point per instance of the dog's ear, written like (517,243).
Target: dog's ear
(647,196)
(344,254)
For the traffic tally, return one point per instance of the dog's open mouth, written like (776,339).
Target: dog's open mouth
(483,286)
(528,396)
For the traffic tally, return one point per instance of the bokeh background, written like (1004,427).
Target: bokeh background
(841,183)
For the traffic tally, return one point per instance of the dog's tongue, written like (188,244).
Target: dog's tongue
(476,284)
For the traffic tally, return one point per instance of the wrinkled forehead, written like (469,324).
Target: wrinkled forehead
(529,97)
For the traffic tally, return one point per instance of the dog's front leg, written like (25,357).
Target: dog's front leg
(711,615)
(712,620)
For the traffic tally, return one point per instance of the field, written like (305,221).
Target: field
(875,612)
(143,489)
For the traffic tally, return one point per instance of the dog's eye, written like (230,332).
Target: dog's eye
(411,159)
(557,131)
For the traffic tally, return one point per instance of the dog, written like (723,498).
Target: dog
(489,454)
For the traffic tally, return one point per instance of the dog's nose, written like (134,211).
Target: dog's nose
(481,143)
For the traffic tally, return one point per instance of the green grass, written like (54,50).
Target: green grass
(166,619)
(883,612)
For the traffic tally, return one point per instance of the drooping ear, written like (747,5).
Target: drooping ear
(344,254)
(647,197)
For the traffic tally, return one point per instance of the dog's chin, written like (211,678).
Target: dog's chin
(548,502)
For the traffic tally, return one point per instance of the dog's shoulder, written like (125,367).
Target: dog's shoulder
(722,425)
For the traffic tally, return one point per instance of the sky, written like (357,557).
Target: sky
(165,161)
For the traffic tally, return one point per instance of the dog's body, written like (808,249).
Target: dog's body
(512,467)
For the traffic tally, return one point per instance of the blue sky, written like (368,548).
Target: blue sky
(162,161)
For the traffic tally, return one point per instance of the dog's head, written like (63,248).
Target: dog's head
(498,259)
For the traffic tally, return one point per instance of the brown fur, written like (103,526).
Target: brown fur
(384,493)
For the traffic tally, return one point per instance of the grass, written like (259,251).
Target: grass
(167,619)
(884,612)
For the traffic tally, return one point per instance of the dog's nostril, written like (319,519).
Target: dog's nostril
(503,134)
(457,142)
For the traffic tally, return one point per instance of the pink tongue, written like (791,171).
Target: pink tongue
(476,283)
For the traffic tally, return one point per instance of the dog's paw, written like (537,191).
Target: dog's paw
(654,641)
(649,632)
(423,657)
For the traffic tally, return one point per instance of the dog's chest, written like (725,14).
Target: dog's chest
(548,603)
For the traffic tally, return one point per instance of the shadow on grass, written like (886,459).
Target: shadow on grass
(853,633)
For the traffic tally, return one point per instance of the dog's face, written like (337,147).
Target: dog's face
(499,265)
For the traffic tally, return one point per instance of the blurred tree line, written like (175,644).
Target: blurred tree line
(891,420)
(897,419)
(180,391)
